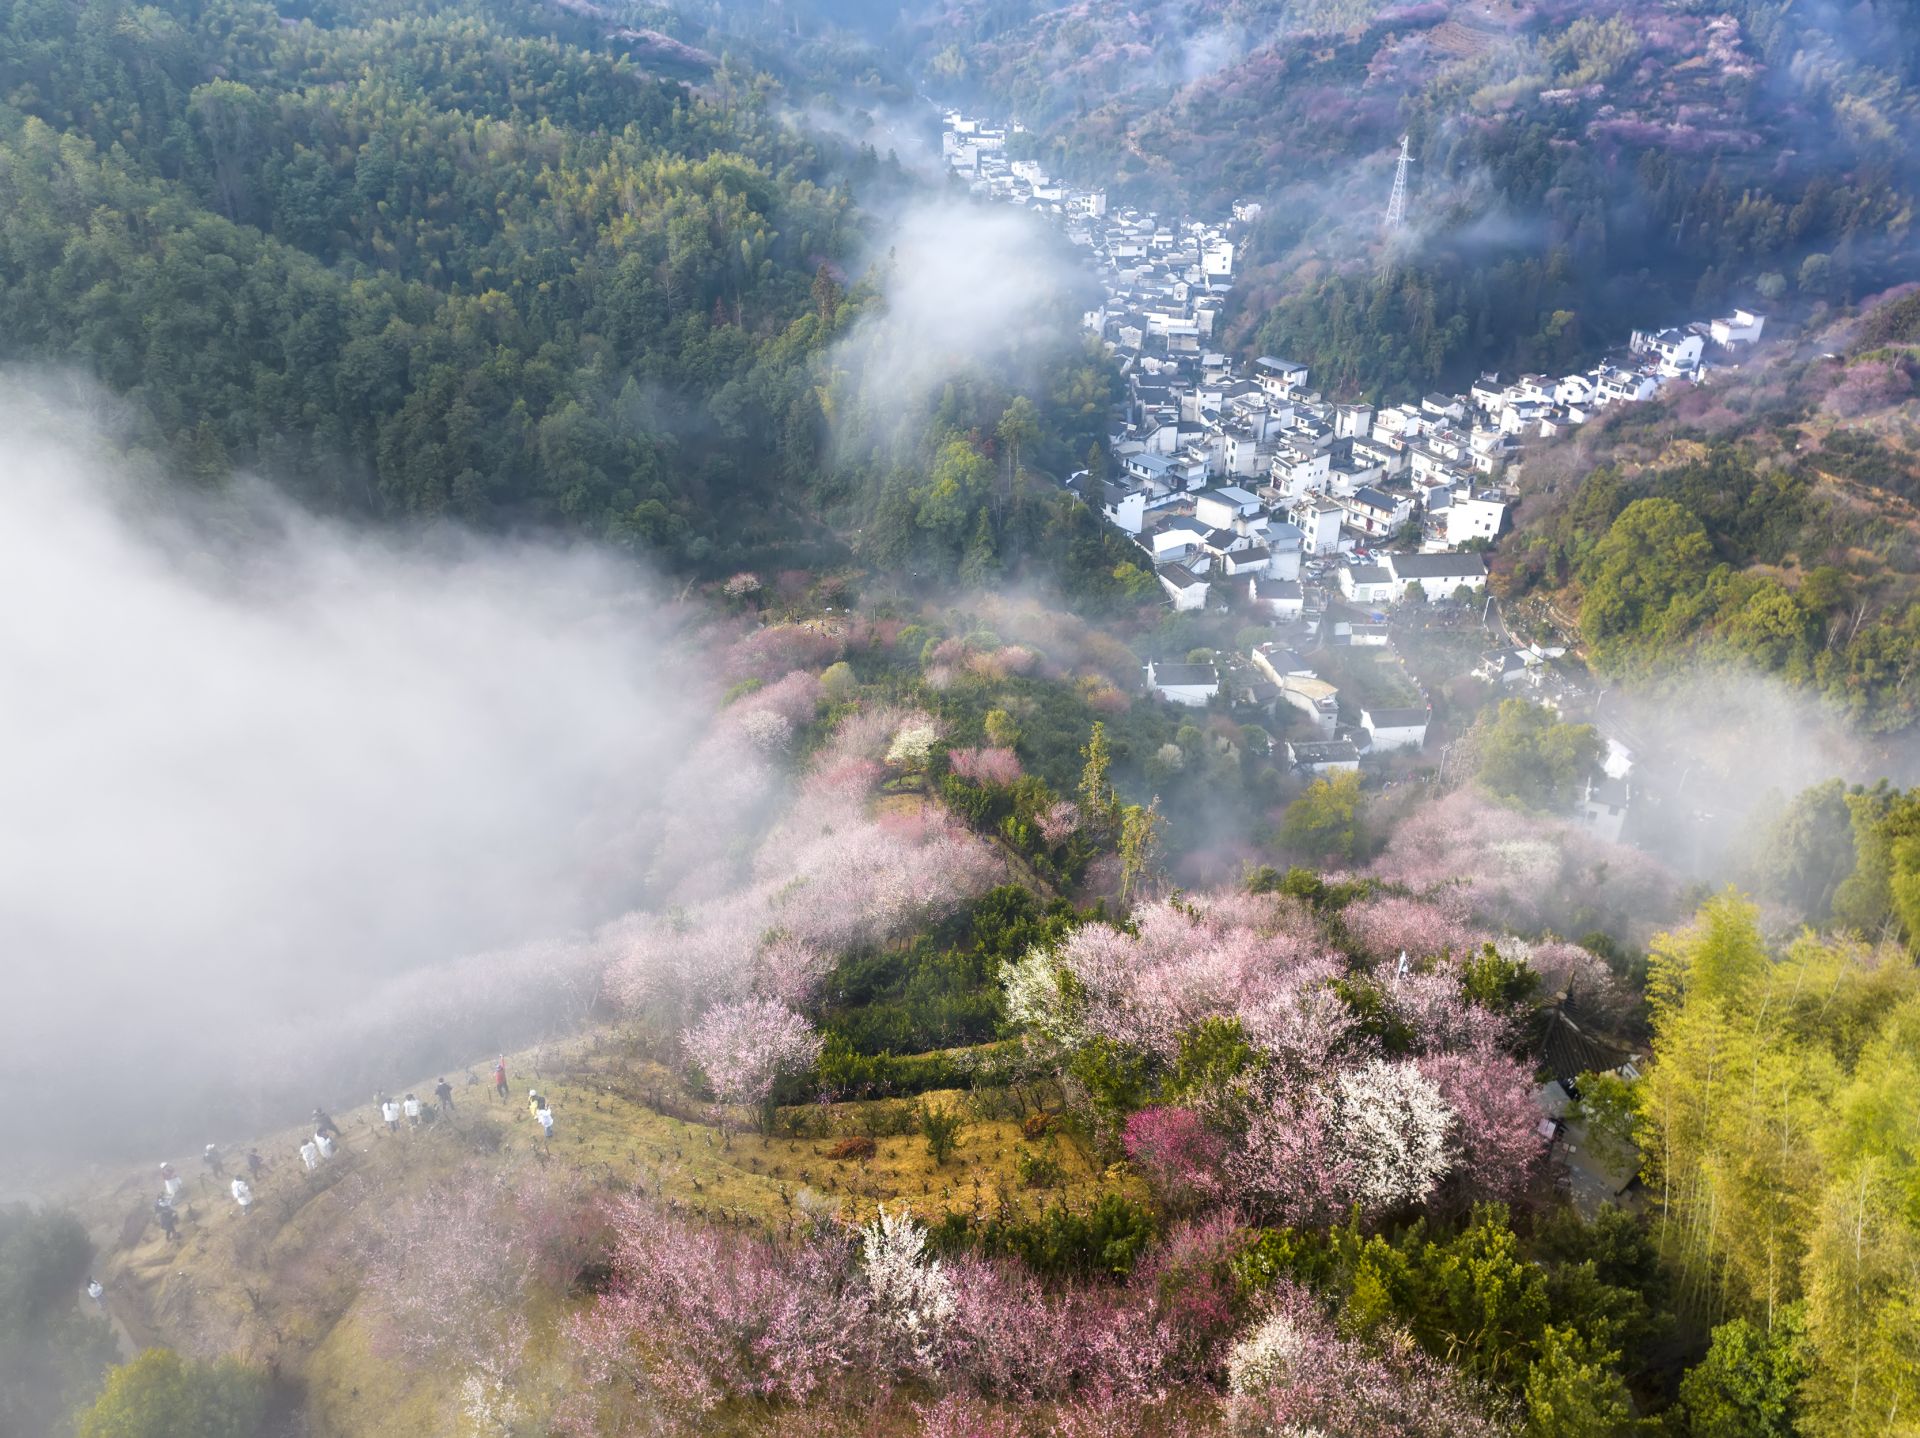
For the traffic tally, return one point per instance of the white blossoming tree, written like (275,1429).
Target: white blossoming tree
(911,1292)
(1036,1000)
(1393,1127)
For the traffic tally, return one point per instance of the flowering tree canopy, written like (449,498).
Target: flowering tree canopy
(744,1049)
(911,1294)
(985,766)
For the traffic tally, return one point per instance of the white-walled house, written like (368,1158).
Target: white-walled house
(1392,729)
(1475,517)
(1176,540)
(1603,807)
(1254,560)
(1438,575)
(1278,376)
(1742,327)
(1221,508)
(1284,599)
(1186,589)
(1319,521)
(1678,351)
(1298,467)
(1126,509)
(1189,684)
(1284,541)
(1368,584)
(1505,666)
(1315,698)
(1326,757)
(1375,512)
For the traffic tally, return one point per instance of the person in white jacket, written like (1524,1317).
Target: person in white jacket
(390,1111)
(324,1143)
(310,1155)
(243,1195)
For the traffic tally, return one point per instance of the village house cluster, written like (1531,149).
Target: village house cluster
(1245,487)
(1246,477)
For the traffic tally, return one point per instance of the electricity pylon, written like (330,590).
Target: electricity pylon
(1397,202)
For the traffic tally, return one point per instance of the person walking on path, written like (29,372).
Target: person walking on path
(545,1115)
(169,1182)
(500,1077)
(324,1144)
(443,1091)
(533,1104)
(97,1293)
(255,1164)
(310,1155)
(412,1106)
(168,1220)
(390,1111)
(242,1194)
(216,1165)
(323,1123)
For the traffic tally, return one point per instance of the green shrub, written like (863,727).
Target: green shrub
(162,1395)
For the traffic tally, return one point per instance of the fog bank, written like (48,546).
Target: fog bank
(257,765)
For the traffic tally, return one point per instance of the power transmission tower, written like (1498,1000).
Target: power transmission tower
(1397,202)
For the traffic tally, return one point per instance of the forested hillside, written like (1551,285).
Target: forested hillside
(1764,520)
(1580,169)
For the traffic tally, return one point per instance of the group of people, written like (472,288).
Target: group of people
(410,1107)
(166,1207)
(324,1142)
(320,1147)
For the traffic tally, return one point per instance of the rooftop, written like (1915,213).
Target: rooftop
(1183,675)
(1394,718)
(1330,752)
(1438,566)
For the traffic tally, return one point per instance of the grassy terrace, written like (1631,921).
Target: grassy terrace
(279,1286)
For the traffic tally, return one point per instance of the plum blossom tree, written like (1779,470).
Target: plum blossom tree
(1528,871)
(911,1293)
(826,876)
(1176,1152)
(451,1262)
(1294,1375)
(986,766)
(1036,1000)
(1060,822)
(1290,1163)
(746,1048)
(1387,925)
(696,1315)
(1214,957)
(1496,1126)
(913,742)
(1394,1125)
(1376,1135)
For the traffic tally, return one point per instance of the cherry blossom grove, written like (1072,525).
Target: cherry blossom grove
(1369,1087)
(829,874)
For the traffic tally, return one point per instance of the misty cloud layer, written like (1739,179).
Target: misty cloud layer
(256,765)
(968,288)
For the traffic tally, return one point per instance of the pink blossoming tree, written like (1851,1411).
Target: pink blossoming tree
(746,1048)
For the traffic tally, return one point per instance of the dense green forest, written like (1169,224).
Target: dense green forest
(475,261)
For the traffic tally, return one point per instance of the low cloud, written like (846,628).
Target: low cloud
(967,288)
(258,766)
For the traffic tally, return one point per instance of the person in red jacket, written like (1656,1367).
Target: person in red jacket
(500,1078)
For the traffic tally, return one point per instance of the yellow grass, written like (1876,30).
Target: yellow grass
(280,1286)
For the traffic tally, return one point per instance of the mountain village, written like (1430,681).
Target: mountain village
(1246,488)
